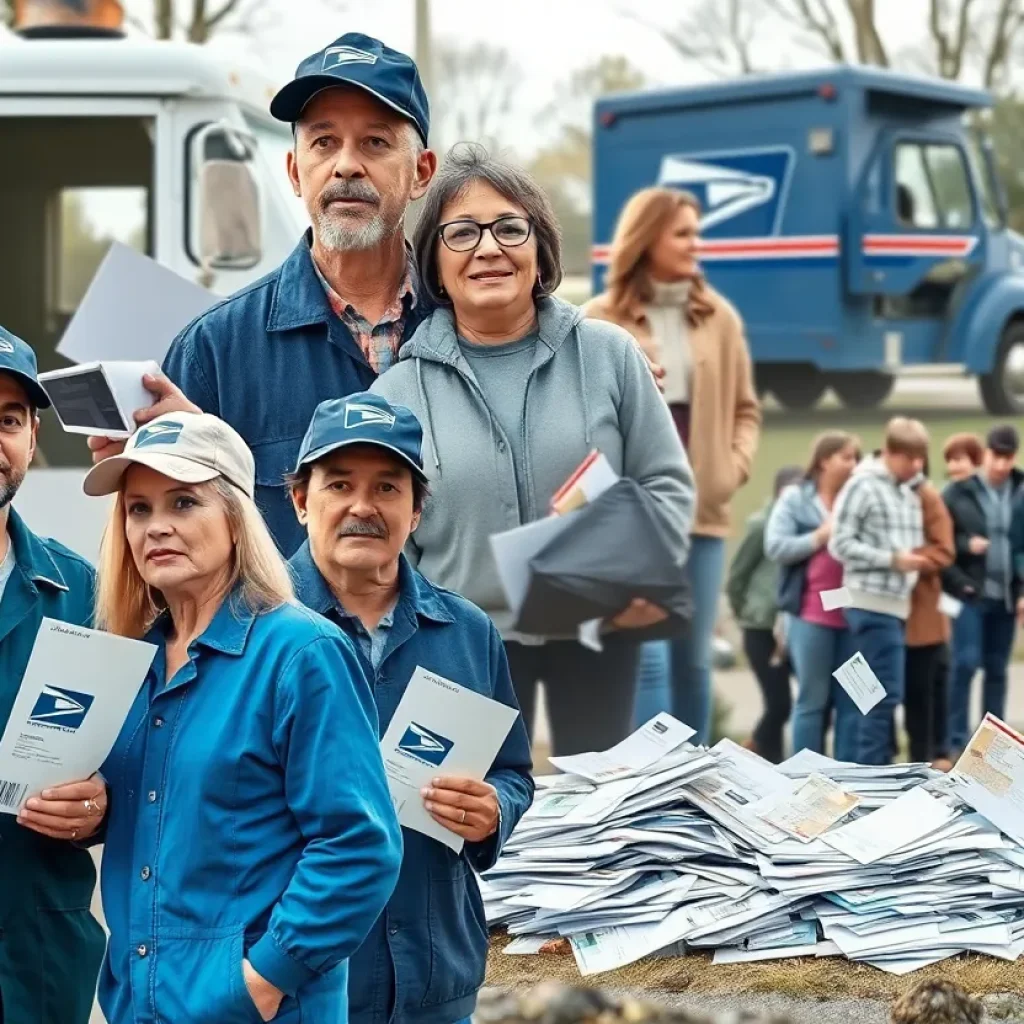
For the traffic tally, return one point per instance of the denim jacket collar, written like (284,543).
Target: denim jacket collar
(416,594)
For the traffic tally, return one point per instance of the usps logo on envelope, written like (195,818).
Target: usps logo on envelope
(59,707)
(338,55)
(158,433)
(359,415)
(424,744)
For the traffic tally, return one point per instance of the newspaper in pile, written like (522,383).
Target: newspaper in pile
(657,847)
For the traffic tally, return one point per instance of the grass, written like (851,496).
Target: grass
(825,979)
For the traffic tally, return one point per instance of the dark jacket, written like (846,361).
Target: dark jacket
(965,578)
(753,578)
(426,955)
(263,360)
(50,945)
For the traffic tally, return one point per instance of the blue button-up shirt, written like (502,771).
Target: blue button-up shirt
(249,818)
(263,360)
(47,884)
(425,957)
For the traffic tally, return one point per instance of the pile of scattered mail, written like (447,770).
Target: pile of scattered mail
(657,846)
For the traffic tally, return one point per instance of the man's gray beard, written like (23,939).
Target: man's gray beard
(335,235)
(9,488)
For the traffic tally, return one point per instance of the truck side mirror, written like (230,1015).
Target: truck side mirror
(225,219)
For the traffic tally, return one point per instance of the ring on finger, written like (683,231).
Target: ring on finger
(463,822)
(74,833)
(90,807)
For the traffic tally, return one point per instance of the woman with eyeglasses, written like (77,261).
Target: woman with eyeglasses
(514,389)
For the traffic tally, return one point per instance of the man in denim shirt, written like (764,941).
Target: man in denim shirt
(334,314)
(359,486)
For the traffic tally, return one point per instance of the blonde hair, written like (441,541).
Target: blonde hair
(127,605)
(640,225)
(905,436)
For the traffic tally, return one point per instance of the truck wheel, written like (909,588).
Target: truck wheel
(863,389)
(1002,390)
(797,387)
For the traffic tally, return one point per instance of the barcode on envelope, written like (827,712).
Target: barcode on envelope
(12,794)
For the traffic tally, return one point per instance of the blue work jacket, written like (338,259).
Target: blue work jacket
(50,945)
(263,360)
(424,959)
(249,818)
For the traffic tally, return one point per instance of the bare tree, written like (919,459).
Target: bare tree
(717,34)
(830,26)
(474,92)
(196,21)
(1007,25)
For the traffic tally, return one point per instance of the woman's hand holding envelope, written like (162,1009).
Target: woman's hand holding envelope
(72,811)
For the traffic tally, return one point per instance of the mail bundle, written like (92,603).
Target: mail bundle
(658,847)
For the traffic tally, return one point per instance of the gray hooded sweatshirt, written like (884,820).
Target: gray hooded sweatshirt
(589,387)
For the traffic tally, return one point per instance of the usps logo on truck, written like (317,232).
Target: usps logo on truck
(61,708)
(742,192)
(424,744)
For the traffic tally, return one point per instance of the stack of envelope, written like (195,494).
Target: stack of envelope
(658,847)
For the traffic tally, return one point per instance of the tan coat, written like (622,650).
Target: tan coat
(926,625)
(725,414)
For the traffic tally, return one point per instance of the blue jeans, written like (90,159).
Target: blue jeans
(691,652)
(816,651)
(881,639)
(653,693)
(982,639)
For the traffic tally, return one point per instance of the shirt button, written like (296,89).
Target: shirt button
(501,446)
(145,873)
(158,722)
(142,951)
(393,930)
(151,796)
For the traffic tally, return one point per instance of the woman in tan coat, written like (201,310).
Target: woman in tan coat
(656,291)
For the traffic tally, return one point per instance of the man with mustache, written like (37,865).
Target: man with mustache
(333,316)
(50,946)
(359,486)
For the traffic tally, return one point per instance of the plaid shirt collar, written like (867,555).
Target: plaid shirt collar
(378,342)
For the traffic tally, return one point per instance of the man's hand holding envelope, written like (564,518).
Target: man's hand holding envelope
(168,397)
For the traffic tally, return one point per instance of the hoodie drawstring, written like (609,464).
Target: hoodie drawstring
(583,385)
(425,406)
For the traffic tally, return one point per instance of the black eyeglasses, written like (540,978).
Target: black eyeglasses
(464,235)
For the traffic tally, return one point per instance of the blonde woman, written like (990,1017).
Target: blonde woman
(250,838)
(657,292)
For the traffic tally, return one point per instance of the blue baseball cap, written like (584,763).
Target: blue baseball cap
(364,418)
(18,360)
(388,75)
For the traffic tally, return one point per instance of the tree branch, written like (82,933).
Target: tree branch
(950,50)
(817,18)
(1008,24)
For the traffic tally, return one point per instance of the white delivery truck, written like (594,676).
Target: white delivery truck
(158,145)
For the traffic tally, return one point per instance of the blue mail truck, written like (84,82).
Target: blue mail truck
(852,215)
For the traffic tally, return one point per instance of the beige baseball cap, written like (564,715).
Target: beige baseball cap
(186,446)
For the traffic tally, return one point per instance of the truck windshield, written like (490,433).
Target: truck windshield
(275,142)
(983,170)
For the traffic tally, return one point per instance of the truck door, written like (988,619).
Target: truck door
(915,233)
(77,175)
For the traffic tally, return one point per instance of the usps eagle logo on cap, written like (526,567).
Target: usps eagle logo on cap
(338,55)
(158,433)
(359,415)
(6,346)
